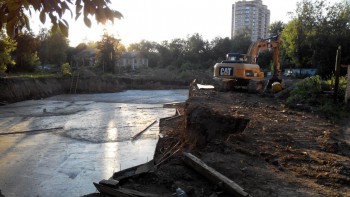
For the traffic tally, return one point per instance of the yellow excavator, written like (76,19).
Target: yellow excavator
(242,70)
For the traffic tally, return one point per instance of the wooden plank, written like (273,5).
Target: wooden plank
(31,131)
(347,91)
(147,167)
(122,192)
(140,133)
(128,173)
(111,191)
(177,116)
(214,176)
(337,75)
(178,112)
(137,193)
(110,182)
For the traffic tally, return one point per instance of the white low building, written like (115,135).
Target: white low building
(132,60)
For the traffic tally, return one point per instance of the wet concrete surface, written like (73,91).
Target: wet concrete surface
(60,145)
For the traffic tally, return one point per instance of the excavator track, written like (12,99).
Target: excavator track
(256,86)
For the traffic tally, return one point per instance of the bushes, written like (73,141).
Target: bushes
(328,85)
(65,69)
(306,91)
(309,92)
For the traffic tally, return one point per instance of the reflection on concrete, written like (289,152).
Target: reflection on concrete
(94,142)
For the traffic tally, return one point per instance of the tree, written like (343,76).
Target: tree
(53,47)
(26,55)
(197,51)
(13,14)
(220,47)
(265,59)
(72,54)
(108,53)
(241,41)
(177,50)
(296,43)
(7,46)
(276,28)
(312,37)
(149,50)
(165,57)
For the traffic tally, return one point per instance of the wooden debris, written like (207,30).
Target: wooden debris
(110,182)
(134,171)
(147,167)
(205,87)
(166,158)
(347,91)
(178,112)
(140,133)
(177,116)
(212,175)
(122,192)
(31,131)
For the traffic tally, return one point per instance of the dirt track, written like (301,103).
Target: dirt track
(281,152)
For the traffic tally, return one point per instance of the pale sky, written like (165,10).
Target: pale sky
(159,20)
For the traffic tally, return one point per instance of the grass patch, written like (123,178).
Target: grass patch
(31,75)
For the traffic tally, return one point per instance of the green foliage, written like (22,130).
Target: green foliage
(241,41)
(13,15)
(296,43)
(7,46)
(189,66)
(108,53)
(306,92)
(193,50)
(328,85)
(276,28)
(220,47)
(265,60)
(65,69)
(52,48)
(149,50)
(185,75)
(312,37)
(31,75)
(334,111)
(26,55)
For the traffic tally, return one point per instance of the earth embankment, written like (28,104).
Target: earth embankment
(19,89)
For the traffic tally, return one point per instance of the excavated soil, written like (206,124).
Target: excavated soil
(258,142)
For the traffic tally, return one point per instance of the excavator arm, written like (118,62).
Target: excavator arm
(264,44)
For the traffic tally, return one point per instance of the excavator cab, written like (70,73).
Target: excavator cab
(237,57)
(242,70)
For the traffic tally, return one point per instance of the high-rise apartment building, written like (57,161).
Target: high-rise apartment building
(251,15)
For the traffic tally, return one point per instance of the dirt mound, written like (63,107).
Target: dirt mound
(259,143)
(204,124)
(281,152)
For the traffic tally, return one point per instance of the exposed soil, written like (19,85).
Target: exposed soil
(265,147)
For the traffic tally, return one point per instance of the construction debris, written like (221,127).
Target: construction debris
(121,192)
(214,176)
(137,135)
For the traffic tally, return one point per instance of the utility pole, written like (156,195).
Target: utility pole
(347,91)
(337,73)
